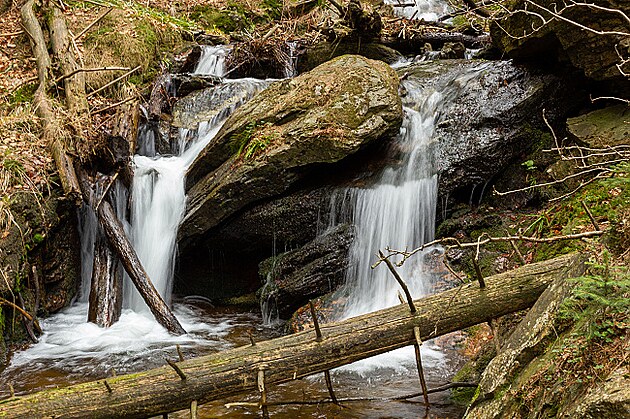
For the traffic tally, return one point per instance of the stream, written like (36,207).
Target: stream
(399,211)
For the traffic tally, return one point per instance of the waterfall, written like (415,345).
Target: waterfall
(399,211)
(159,199)
(212,60)
(429,10)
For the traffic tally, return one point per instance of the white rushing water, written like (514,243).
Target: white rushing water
(159,199)
(429,10)
(399,213)
(212,60)
(70,343)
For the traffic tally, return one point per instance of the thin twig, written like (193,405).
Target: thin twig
(416,346)
(329,385)
(590,215)
(107,386)
(482,283)
(107,188)
(555,182)
(116,80)
(177,369)
(88,70)
(488,239)
(16,307)
(114,105)
(88,27)
(318,332)
(402,284)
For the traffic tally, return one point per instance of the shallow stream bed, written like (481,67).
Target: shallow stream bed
(72,351)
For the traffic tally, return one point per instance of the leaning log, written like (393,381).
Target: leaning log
(118,241)
(74,86)
(53,133)
(234,371)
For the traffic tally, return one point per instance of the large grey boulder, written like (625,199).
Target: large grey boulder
(492,116)
(286,132)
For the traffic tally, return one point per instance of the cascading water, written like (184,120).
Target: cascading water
(212,61)
(399,213)
(429,10)
(78,348)
(159,199)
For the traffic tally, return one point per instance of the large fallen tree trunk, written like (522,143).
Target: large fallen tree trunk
(234,371)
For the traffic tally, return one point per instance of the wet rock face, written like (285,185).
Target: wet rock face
(593,53)
(207,104)
(286,132)
(490,121)
(315,269)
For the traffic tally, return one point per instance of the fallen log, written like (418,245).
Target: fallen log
(436,39)
(167,389)
(74,86)
(120,244)
(53,133)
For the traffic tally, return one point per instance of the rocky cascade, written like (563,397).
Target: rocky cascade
(495,121)
(285,132)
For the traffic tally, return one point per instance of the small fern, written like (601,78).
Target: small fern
(602,299)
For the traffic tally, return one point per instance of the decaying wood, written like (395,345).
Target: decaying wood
(74,86)
(235,371)
(126,124)
(118,240)
(105,302)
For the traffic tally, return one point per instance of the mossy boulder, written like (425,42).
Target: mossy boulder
(287,132)
(523,36)
(607,127)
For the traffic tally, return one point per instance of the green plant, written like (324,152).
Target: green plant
(23,94)
(604,293)
(252,140)
(529,165)
(273,8)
